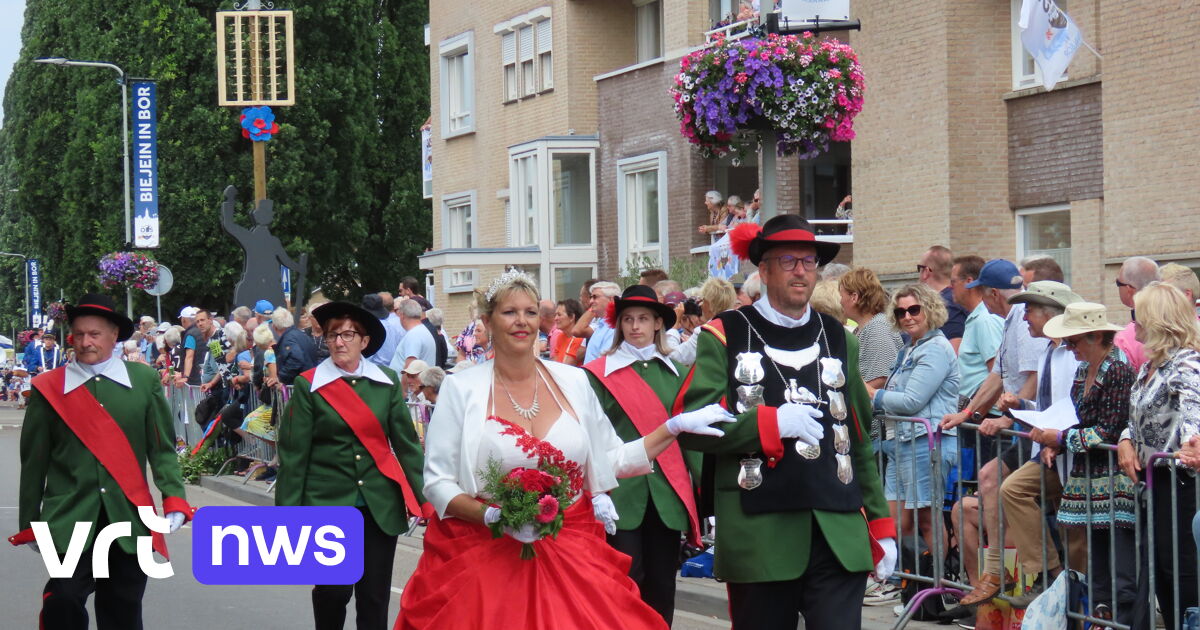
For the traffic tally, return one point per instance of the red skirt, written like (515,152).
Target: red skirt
(467,579)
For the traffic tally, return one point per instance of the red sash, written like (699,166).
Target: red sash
(100,434)
(633,393)
(369,431)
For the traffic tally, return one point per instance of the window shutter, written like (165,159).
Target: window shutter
(544,36)
(508,48)
(526,37)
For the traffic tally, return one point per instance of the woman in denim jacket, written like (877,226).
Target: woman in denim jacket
(924,384)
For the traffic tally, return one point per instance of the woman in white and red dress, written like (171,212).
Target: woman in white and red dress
(501,410)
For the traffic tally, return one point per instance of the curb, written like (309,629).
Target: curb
(252,492)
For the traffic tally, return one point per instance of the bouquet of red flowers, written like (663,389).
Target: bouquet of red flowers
(533,497)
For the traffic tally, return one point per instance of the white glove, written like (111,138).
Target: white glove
(526,533)
(491,515)
(884,569)
(34,546)
(801,422)
(606,512)
(175,519)
(698,421)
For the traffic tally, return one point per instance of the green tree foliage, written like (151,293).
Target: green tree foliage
(344,171)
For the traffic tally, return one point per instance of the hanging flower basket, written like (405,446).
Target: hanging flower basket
(24,337)
(128,269)
(56,311)
(805,90)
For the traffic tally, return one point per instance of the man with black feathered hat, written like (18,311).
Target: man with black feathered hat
(346,438)
(798,498)
(91,428)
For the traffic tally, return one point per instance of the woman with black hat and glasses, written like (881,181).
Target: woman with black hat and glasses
(638,387)
(346,439)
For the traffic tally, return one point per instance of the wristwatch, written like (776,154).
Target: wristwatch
(976,417)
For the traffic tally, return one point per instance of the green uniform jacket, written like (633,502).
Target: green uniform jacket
(774,547)
(62,482)
(321,461)
(634,493)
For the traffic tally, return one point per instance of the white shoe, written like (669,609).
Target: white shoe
(898,610)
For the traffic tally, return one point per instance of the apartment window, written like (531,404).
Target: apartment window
(1026,74)
(568,281)
(545,43)
(1046,231)
(458,220)
(528,74)
(572,200)
(524,200)
(460,280)
(647,27)
(642,209)
(457,85)
(508,54)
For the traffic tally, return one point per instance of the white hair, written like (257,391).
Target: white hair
(411,309)
(263,335)
(753,286)
(282,319)
(609,289)
(1139,271)
(435,317)
(130,346)
(714,196)
(432,377)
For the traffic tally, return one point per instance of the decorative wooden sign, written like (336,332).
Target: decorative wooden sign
(255,54)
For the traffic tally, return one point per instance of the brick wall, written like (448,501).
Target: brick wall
(1055,147)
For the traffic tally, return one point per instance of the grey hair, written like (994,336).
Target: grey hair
(236,333)
(432,377)
(242,314)
(753,286)
(411,309)
(130,346)
(263,335)
(609,289)
(833,271)
(172,336)
(282,319)
(435,317)
(1007,293)
(714,196)
(1139,271)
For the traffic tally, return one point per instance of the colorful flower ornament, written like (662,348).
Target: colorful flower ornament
(258,123)
(128,269)
(807,91)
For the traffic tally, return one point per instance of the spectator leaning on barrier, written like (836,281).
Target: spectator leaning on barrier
(431,383)
(716,297)
(373,304)
(1093,496)
(294,349)
(923,384)
(1135,273)
(1165,414)
(418,344)
(935,271)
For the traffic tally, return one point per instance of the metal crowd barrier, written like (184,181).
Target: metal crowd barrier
(260,451)
(183,400)
(1147,536)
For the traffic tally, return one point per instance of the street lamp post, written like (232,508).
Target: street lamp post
(24,274)
(63,61)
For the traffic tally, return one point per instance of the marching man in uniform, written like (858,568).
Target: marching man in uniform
(638,387)
(91,428)
(336,442)
(800,510)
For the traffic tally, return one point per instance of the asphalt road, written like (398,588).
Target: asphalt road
(181,601)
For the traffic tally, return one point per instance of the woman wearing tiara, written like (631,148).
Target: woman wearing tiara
(503,411)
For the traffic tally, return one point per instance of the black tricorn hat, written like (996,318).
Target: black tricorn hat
(752,242)
(642,295)
(338,310)
(101,306)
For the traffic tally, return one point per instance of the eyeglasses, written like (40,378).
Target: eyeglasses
(788,262)
(911,311)
(346,336)
(1121,285)
(922,268)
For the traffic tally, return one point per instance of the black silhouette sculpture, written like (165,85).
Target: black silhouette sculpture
(264,254)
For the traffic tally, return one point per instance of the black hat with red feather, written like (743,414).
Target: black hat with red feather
(751,242)
(640,295)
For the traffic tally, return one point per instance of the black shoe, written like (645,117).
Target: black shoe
(1038,587)
(958,612)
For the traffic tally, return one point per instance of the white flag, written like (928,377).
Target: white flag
(1050,36)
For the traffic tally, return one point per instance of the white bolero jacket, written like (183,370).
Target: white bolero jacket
(452,439)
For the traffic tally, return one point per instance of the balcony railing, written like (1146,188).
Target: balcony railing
(733,30)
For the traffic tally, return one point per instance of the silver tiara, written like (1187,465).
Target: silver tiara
(505,279)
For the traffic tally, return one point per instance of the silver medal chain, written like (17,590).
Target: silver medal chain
(824,339)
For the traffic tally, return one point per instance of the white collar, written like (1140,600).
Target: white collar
(626,355)
(78,373)
(327,372)
(763,305)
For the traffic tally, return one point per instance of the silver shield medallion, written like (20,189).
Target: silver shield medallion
(750,474)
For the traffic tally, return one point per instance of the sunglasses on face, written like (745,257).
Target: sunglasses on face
(1121,285)
(921,268)
(911,311)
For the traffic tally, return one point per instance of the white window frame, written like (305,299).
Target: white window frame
(455,200)
(526,50)
(459,45)
(639,54)
(1020,79)
(524,220)
(591,155)
(1023,250)
(460,280)
(544,49)
(509,77)
(629,166)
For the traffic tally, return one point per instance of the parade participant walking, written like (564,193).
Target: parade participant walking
(47,356)
(509,413)
(638,386)
(802,515)
(91,428)
(346,439)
